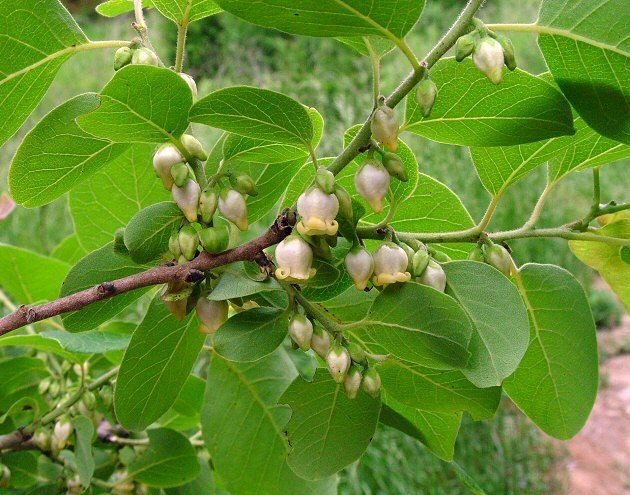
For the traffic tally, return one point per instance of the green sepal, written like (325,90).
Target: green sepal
(325,180)
(394,166)
(188,241)
(464,46)
(180,173)
(477,255)
(419,262)
(243,183)
(122,57)
(214,239)
(208,202)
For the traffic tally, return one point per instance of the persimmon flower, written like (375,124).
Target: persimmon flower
(317,211)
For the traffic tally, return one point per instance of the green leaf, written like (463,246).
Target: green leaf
(471,111)
(329,17)
(69,250)
(114,8)
(327,431)
(501,331)
(23,466)
(159,358)
(18,376)
(203,484)
(22,404)
(112,196)
(186,410)
(37,50)
(241,409)
(444,391)
(57,154)
(169,461)
(251,335)
(351,305)
(99,266)
(436,333)
(380,46)
(39,342)
(141,104)
(29,277)
(235,283)
(92,342)
(256,113)
(556,383)
(467,480)
(438,431)
(84,430)
(189,10)
(148,231)
(586,47)
(607,258)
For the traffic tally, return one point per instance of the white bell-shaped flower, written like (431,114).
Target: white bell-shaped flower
(317,211)
(320,342)
(338,362)
(294,258)
(62,431)
(390,265)
(191,84)
(233,207)
(187,198)
(352,382)
(301,331)
(372,183)
(360,266)
(163,161)
(433,276)
(489,59)
(212,314)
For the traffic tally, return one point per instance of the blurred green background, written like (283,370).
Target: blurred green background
(506,455)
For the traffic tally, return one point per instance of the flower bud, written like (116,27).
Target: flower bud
(194,147)
(352,382)
(338,361)
(508,51)
(61,434)
(208,202)
(74,486)
(464,46)
(187,198)
(212,314)
(43,386)
(294,258)
(175,298)
(89,400)
(357,353)
(360,266)
(317,211)
(425,95)
(384,126)
(163,160)
(122,57)
(419,262)
(192,85)
(395,167)
(42,440)
(173,245)
(144,56)
(325,180)
(180,174)
(372,383)
(477,255)
(233,207)
(5,476)
(372,183)
(409,252)
(320,342)
(243,183)
(106,395)
(81,370)
(345,203)
(390,265)
(498,257)
(301,331)
(188,241)
(214,239)
(489,59)
(433,276)
(439,256)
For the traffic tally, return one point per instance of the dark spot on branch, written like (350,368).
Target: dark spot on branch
(194,276)
(106,288)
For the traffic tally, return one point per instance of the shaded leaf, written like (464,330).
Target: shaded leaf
(84,430)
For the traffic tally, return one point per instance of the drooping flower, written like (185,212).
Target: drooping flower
(187,198)
(338,361)
(352,382)
(294,258)
(489,59)
(317,211)
(372,383)
(301,331)
(233,207)
(320,342)
(360,266)
(372,183)
(163,161)
(433,276)
(390,265)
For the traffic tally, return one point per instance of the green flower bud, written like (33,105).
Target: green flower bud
(384,126)
(214,239)
(301,331)
(395,167)
(320,247)
(233,207)
(89,400)
(419,262)
(464,46)
(42,440)
(498,257)
(477,255)
(243,183)
(164,160)
(409,252)
(372,383)
(43,386)
(61,433)
(180,174)
(188,241)
(320,342)
(345,203)
(187,198)
(194,147)
(352,382)
(54,389)
(122,57)
(74,486)
(440,256)
(425,95)
(5,476)
(357,353)
(508,51)
(338,361)
(208,202)
(144,56)
(173,245)
(433,276)
(325,180)
(107,396)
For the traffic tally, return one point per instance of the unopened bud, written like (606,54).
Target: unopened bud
(214,239)
(352,382)
(345,203)
(175,298)
(320,342)
(5,476)
(89,400)
(394,165)
(433,276)
(439,256)
(372,383)
(194,147)
(187,198)
(119,242)
(213,314)
(163,161)
(508,51)
(419,262)
(357,353)
(188,241)
(489,59)
(325,180)
(74,486)
(360,266)
(338,361)
(43,386)
(122,57)
(42,440)
(180,174)
(301,331)
(243,183)
(61,433)
(372,183)
(425,95)
(193,87)
(464,46)
(208,202)
(233,207)
(144,56)
(409,252)
(384,126)
(477,255)
(173,245)
(498,257)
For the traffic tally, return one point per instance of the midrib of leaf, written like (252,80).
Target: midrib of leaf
(402,327)
(541,29)
(155,464)
(388,34)
(329,420)
(530,310)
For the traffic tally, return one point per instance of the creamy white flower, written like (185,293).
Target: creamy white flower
(360,266)
(385,127)
(352,382)
(338,361)
(301,331)
(372,183)
(390,265)
(233,207)
(489,59)
(294,258)
(191,83)
(212,314)
(187,198)
(317,211)
(163,161)
(433,276)
(498,257)
(320,342)
(62,431)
